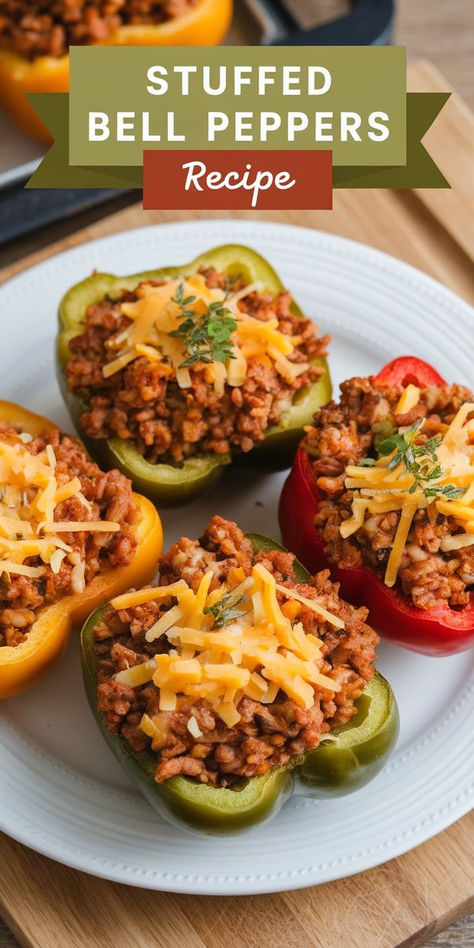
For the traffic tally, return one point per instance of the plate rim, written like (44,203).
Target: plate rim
(244,884)
(349,243)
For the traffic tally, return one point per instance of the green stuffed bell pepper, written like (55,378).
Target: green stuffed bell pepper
(142,431)
(346,758)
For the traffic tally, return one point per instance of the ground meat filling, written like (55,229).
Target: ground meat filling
(347,431)
(268,735)
(109,496)
(41,28)
(142,403)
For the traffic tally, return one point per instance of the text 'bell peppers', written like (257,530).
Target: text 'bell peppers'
(344,761)
(437,631)
(22,665)
(205,24)
(166,483)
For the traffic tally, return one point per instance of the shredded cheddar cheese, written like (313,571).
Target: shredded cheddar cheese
(408,400)
(29,495)
(378,490)
(155,317)
(254,655)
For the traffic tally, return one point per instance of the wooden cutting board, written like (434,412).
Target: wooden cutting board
(402,902)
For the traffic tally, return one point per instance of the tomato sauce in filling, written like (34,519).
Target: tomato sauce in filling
(106,496)
(35,28)
(267,734)
(143,401)
(347,431)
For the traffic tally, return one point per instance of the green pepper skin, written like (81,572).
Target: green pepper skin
(346,760)
(165,483)
(353,754)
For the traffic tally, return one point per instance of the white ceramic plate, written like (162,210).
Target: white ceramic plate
(61,790)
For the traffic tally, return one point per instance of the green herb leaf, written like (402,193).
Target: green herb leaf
(382,430)
(449,491)
(226,609)
(205,336)
(420,460)
(399,442)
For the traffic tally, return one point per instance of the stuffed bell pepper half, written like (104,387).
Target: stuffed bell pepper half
(35,38)
(170,375)
(236,682)
(70,537)
(382,491)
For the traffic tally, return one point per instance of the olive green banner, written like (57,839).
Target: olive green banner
(418,171)
(350,100)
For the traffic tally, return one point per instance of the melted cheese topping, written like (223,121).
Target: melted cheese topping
(155,316)
(377,490)
(408,399)
(29,495)
(255,654)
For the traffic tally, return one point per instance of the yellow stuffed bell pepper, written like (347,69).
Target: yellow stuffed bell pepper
(23,664)
(205,25)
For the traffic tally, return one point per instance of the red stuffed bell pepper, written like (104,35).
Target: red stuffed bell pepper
(427,605)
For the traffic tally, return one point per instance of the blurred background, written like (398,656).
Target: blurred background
(439,30)
(434,30)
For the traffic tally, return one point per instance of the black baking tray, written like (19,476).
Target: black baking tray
(368,22)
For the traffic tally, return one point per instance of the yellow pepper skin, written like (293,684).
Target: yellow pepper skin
(205,25)
(23,665)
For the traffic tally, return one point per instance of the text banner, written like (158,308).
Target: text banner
(348,103)
(224,180)
(350,100)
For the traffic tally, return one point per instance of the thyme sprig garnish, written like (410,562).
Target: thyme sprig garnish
(226,609)
(205,336)
(420,460)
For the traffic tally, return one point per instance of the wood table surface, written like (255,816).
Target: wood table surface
(438,30)
(402,903)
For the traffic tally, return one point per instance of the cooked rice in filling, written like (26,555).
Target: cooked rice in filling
(347,431)
(166,422)
(35,28)
(102,496)
(193,739)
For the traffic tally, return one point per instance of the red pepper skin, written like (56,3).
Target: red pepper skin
(408,369)
(439,631)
